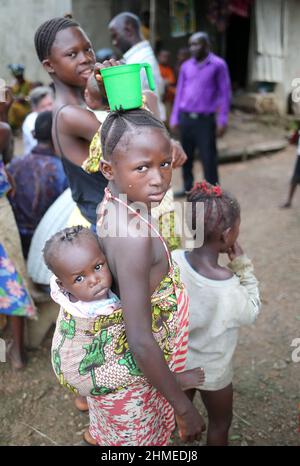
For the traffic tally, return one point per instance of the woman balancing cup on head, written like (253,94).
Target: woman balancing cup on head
(153,321)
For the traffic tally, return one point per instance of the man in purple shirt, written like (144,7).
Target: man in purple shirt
(201,107)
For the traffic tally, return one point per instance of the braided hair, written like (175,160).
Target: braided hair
(46,33)
(119,122)
(68,236)
(221,208)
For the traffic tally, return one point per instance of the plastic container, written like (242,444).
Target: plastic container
(123,85)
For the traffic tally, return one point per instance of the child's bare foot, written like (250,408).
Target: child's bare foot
(191,378)
(88,438)
(15,357)
(286,205)
(81,403)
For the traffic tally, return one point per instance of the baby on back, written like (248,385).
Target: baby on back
(90,353)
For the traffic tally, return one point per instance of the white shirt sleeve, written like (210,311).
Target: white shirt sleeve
(242,267)
(28,126)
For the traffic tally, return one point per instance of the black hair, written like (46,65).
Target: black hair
(46,33)
(119,122)
(67,236)
(43,126)
(221,208)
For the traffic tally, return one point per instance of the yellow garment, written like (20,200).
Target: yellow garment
(92,163)
(76,218)
(164,214)
(19,110)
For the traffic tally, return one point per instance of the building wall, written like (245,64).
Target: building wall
(94,16)
(19,21)
(21,18)
(292,57)
(291,61)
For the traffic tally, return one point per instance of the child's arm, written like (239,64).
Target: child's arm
(78,122)
(242,266)
(77,127)
(133,273)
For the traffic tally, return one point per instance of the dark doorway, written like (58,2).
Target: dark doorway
(237,46)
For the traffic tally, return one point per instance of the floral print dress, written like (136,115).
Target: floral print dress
(14,298)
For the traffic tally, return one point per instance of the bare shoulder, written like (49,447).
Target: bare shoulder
(128,250)
(78,121)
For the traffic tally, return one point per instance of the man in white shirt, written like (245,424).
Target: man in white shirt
(41,100)
(125,31)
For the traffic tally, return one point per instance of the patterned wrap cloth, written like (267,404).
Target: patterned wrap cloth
(91,356)
(139,415)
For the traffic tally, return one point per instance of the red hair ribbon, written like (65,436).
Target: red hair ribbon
(206,188)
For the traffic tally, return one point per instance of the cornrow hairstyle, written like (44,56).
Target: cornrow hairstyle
(117,123)
(221,208)
(68,236)
(46,33)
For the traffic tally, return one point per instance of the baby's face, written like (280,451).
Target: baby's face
(83,271)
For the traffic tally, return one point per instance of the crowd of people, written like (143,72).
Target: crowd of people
(178,305)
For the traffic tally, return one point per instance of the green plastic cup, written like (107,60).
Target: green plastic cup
(123,85)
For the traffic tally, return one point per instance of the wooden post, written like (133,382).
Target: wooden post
(152,23)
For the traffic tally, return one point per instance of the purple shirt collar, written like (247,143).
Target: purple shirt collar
(203,62)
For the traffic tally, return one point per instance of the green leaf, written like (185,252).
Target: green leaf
(19,279)
(235,437)
(19,311)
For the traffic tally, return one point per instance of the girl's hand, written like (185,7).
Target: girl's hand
(190,425)
(235,251)
(106,64)
(97,75)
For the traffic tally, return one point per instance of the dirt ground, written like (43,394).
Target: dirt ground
(35,410)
